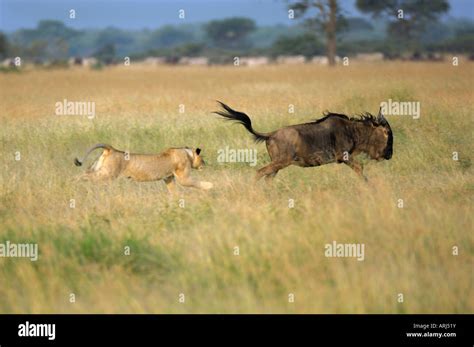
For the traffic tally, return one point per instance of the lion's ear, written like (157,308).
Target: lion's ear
(198,150)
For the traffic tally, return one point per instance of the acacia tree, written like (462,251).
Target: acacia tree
(230,32)
(322,14)
(3,45)
(408,24)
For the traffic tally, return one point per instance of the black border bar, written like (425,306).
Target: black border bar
(382,329)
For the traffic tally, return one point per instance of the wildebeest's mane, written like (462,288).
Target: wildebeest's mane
(365,118)
(327,115)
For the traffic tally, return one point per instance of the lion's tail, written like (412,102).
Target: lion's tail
(78,162)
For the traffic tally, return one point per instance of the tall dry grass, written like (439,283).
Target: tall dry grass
(190,250)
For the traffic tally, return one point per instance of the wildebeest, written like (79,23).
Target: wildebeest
(369,57)
(335,138)
(254,61)
(291,59)
(323,60)
(203,61)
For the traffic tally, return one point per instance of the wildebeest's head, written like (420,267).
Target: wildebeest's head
(381,139)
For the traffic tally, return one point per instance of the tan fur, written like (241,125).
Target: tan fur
(172,165)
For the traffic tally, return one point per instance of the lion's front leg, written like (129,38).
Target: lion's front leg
(170,184)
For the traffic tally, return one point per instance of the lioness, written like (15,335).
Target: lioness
(170,165)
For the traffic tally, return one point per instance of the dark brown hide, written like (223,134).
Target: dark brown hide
(335,138)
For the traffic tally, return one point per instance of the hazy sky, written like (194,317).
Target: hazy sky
(138,14)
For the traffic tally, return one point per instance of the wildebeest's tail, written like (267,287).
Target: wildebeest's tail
(242,118)
(78,162)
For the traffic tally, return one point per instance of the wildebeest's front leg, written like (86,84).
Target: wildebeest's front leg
(357,167)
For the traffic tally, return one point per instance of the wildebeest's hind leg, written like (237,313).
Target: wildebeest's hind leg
(269,178)
(271,170)
(357,167)
(279,160)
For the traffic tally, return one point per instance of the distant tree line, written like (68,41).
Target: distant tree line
(320,29)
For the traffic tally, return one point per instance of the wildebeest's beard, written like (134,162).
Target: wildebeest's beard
(389,149)
(372,136)
(387,154)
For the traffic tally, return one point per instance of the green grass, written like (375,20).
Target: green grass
(190,250)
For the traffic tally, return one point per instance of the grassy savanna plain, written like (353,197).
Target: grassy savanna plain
(190,250)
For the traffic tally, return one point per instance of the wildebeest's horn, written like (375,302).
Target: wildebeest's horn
(380,118)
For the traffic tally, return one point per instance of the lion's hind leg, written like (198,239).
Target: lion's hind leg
(100,175)
(183,178)
(100,170)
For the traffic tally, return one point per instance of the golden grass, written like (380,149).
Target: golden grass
(190,250)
